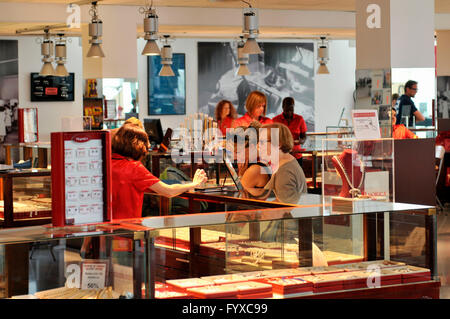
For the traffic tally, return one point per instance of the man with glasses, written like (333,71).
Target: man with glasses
(405,102)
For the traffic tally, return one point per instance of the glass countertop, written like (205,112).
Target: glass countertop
(309,206)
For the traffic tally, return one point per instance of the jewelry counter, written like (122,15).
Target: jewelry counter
(291,251)
(25,197)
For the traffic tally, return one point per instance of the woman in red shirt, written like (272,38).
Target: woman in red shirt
(225,115)
(256,105)
(130,177)
(400,131)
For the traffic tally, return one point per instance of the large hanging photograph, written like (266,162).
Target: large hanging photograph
(443,97)
(283,69)
(167,94)
(9,88)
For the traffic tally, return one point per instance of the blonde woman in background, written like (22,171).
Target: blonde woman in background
(256,106)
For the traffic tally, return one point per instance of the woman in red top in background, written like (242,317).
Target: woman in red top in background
(256,110)
(225,115)
(399,131)
(296,125)
(130,177)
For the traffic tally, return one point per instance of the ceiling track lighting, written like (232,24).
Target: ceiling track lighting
(243,58)
(47,53)
(250,30)
(151,31)
(48,49)
(95,34)
(61,56)
(166,58)
(323,56)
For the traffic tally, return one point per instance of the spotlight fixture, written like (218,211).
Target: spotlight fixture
(242,59)
(47,52)
(151,31)
(60,56)
(323,57)
(250,30)
(166,59)
(95,32)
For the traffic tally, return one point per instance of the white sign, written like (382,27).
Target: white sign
(84,181)
(374,19)
(365,124)
(111,109)
(376,184)
(93,275)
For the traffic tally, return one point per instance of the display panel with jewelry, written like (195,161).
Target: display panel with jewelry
(352,176)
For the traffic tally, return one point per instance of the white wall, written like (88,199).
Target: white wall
(335,90)
(412,43)
(49,113)
(332,91)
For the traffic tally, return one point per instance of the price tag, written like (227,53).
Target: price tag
(93,275)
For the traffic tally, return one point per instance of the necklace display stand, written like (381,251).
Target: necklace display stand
(352,181)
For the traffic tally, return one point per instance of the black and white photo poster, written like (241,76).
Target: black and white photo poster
(282,70)
(443,97)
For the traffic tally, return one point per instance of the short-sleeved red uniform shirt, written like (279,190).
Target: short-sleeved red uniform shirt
(297,126)
(401,132)
(226,123)
(130,179)
(247,119)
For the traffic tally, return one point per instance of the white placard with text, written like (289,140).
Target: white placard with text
(365,124)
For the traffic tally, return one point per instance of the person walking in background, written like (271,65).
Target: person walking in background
(394,99)
(296,125)
(406,101)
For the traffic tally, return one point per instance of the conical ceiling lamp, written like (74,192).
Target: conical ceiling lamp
(151,48)
(47,69)
(166,59)
(47,53)
(323,57)
(166,70)
(151,33)
(323,69)
(95,32)
(60,56)
(242,59)
(251,31)
(243,70)
(95,51)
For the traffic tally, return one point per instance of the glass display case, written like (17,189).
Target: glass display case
(102,261)
(356,172)
(301,251)
(25,197)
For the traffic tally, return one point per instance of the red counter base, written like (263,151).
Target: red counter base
(423,290)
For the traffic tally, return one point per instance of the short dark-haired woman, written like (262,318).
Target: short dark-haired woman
(130,177)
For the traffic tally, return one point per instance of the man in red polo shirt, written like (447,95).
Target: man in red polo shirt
(296,125)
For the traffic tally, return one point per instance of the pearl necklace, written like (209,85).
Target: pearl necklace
(355,192)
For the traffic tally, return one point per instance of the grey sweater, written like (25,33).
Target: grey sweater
(288,183)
